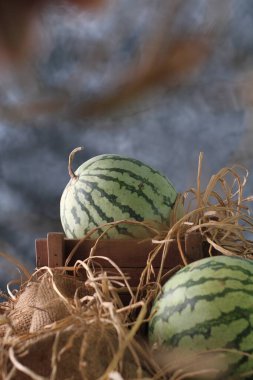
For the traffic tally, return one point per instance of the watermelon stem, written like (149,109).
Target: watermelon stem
(71,158)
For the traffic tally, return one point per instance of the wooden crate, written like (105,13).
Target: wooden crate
(129,255)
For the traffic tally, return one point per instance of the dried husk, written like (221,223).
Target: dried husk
(52,301)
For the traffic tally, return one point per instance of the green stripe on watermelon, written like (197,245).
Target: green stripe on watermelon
(112,200)
(120,173)
(208,305)
(136,189)
(117,161)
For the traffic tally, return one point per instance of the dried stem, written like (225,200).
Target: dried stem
(71,158)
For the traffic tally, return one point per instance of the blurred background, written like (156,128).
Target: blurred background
(156,80)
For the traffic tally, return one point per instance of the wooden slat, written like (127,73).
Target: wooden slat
(194,246)
(127,253)
(55,249)
(41,253)
(133,275)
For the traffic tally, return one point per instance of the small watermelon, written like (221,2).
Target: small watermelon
(110,188)
(208,305)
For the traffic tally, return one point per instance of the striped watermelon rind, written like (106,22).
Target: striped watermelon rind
(111,187)
(208,305)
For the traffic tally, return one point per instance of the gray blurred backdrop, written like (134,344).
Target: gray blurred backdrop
(83,84)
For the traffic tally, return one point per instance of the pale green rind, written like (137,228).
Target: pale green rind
(111,188)
(208,305)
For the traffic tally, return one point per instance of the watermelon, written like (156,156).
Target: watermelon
(208,305)
(109,188)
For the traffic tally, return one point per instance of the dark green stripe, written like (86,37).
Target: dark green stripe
(139,164)
(167,291)
(125,159)
(191,302)
(205,328)
(99,211)
(166,199)
(245,315)
(87,212)
(82,205)
(128,187)
(131,174)
(113,199)
(66,226)
(124,231)
(220,262)
(235,368)
(75,215)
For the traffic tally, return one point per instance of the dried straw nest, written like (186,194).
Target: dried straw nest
(58,327)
